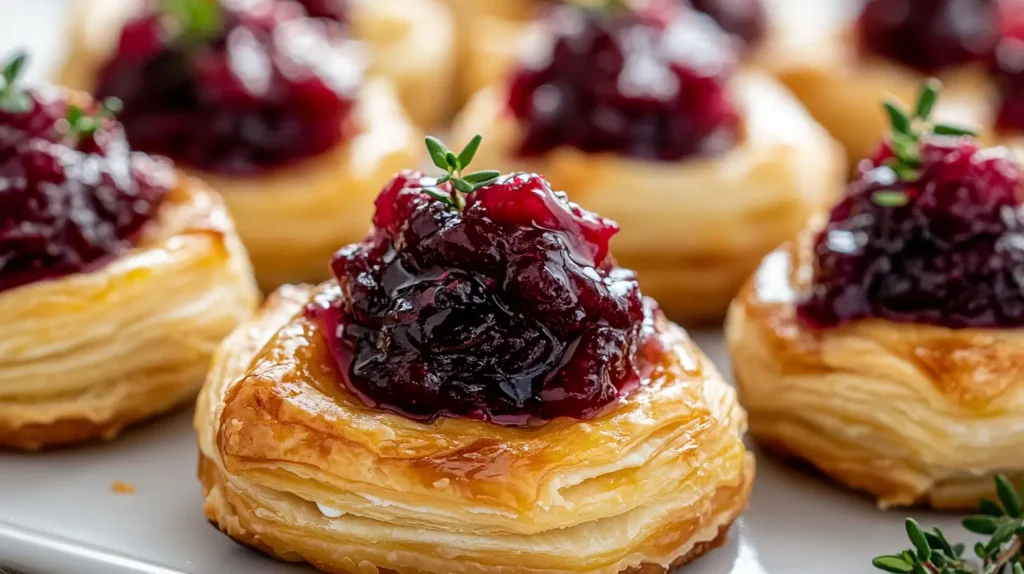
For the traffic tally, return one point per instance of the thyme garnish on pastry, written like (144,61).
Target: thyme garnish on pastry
(14,100)
(1002,522)
(454,165)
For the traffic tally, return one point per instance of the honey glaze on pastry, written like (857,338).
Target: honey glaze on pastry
(885,346)
(841,73)
(118,277)
(647,137)
(271,108)
(481,390)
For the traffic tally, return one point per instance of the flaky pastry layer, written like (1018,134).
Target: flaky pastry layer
(844,88)
(296,466)
(910,413)
(83,355)
(410,42)
(693,230)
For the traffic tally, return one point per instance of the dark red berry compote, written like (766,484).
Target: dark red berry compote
(649,83)
(336,10)
(510,310)
(944,248)
(930,35)
(71,198)
(744,19)
(250,86)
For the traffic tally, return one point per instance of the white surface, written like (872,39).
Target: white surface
(58,513)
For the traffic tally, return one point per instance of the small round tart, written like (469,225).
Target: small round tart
(651,162)
(271,110)
(409,42)
(841,70)
(885,345)
(118,277)
(481,390)
(498,30)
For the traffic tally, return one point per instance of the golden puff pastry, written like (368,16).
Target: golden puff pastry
(842,87)
(910,413)
(693,230)
(409,42)
(84,355)
(303,470)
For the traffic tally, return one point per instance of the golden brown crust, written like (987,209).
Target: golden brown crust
(656,479)
(693,230)
(85,355)
(910,413)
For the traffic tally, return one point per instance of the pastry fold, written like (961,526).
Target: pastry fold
(409,42)
(84,355)
(695,229)
(291,463)
(913,414)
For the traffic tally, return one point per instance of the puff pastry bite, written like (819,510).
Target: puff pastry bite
(884,345)
(267,105)
(706,170)
(840,70)
(118,277)
(501,30)
(481,390)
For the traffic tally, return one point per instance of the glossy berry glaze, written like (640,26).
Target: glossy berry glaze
(930,35)
(744,19)
(336,10)
(510,311)
(69,204)
(650,84)
(952,256)
(266,88)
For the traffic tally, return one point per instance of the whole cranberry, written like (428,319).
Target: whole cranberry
(648,83)
(510,310)
(930,35)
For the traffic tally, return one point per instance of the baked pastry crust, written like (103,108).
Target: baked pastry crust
(85,355)
(913,414)
(692,230)
(641,489)
(842,88)
(410,42)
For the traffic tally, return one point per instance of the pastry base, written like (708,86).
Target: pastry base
(912,414)
(224,515)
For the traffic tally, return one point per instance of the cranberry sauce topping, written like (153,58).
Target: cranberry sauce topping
(248,87)
(336,10)
(510,310)
(744,19)
(648,84)
(72,195)
(930,35)
(945,249)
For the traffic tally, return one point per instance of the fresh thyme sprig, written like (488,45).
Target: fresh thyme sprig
(192,21)
(82,123)
(13,99)
(1002,522)
(908,129)
(454,165)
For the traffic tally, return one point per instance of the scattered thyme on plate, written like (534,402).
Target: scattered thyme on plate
(1002,522)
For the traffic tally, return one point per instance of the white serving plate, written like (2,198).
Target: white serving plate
(58,514)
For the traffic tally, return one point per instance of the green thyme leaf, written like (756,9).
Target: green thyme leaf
(991,508)
(452,162)
(439,195)
(443,179)
(12,99)
(13,67)
(892,564)
(194,20)
(952,130)
(462,186)
(468,152)
(890,198)
(1008,496)
(916,535)
(981,524)
(927,97)
(482,176)
(898,118)
(437,151)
